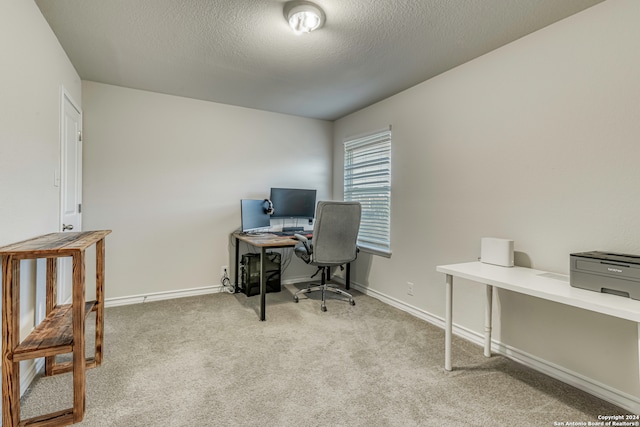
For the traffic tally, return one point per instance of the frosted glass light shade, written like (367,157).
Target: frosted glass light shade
(303,16)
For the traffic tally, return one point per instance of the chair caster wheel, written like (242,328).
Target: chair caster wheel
(323,308)
(352,302)
(295,298)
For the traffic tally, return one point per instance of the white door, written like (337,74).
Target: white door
(70,183)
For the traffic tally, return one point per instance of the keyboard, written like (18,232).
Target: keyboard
(306,233)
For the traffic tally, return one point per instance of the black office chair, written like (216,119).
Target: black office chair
(333,244)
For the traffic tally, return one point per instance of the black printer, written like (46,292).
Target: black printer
(606,272)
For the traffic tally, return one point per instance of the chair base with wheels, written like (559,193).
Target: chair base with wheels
(324,287)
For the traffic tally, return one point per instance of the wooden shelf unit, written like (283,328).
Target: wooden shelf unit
(63,329)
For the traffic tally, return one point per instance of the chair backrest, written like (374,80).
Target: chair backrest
(335,233)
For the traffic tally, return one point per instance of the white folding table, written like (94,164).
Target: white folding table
(532,282)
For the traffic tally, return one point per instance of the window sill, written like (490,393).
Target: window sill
(375,251)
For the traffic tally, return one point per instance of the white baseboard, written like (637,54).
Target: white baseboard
(159,296)
(294,280)
(579,381)
(28,373)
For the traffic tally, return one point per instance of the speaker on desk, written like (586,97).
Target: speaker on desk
(250,268)
(496,251)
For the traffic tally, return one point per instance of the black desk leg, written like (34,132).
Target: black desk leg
(263,285)
(236,284)
(348,278)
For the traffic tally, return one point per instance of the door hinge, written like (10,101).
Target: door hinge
(79,136)
(79,207)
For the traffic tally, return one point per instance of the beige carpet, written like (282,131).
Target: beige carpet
(208,361)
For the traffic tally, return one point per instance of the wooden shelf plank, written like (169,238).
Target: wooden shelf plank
(61,368)
(64,417)
(54,335)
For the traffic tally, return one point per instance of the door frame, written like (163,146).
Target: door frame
(66,96)
(64,264)
(40,312)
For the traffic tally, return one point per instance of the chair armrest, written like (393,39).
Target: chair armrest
(304,241)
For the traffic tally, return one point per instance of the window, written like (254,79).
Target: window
(367,179)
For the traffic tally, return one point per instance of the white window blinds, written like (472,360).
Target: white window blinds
(367,179)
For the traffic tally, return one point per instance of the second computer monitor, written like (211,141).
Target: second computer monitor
(293,203)
(254,216)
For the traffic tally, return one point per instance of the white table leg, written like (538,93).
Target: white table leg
(487,320)
(448,329)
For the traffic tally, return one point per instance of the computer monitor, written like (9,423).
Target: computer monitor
(293,203)
(254,215)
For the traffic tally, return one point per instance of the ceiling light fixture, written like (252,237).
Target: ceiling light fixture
(303,16)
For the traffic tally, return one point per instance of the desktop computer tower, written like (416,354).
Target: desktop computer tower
(250,268)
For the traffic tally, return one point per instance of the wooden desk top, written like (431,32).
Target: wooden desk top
(54,244)
(266,240)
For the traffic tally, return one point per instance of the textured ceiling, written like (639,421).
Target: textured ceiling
(242,52)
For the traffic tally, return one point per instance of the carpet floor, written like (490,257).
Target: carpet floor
(208,361)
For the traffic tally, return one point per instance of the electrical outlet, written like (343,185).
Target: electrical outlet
(409,288)
(224,270)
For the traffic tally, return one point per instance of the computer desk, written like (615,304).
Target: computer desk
(263,242)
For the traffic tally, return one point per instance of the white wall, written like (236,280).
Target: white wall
(33,68)
(166,174)
(539,142)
